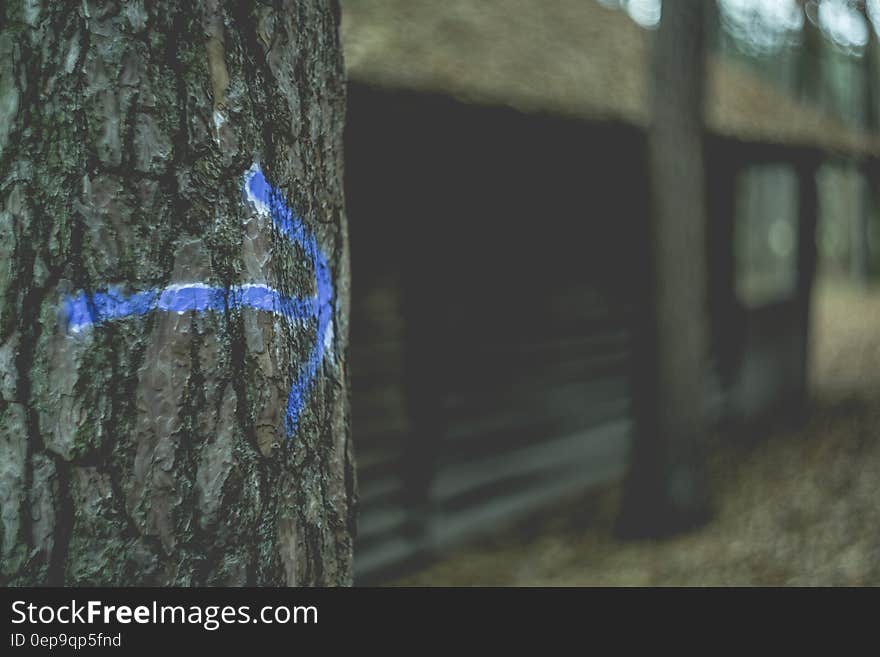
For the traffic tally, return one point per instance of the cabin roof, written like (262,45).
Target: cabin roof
(571,58)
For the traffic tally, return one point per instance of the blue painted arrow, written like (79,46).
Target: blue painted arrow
(88,309)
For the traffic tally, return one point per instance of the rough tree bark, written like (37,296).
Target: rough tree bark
(666,490)
(173,384)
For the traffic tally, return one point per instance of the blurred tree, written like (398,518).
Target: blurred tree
(862,256)
(872,71)
(139,445)
(810,75)
(666,488)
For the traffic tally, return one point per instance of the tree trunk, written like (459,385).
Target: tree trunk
(173,295)
(871,169)
(871,71)
(810,64)
(666,489)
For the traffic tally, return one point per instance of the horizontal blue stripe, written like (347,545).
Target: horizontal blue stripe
(196,298)
(98,307)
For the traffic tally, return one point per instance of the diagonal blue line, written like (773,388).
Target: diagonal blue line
(271,200)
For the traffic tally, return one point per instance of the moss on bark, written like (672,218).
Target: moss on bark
(151,450)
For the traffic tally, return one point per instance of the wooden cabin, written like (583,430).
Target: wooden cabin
(498,204)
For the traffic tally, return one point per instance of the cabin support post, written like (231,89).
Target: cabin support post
(808,214)
(726,317)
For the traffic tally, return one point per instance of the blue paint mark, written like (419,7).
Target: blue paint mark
(83,310)
(271,200)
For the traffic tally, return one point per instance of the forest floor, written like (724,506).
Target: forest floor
(792,506)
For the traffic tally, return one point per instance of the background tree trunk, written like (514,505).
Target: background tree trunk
(152,448)
(871,169)
(666,490)
(810,63)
